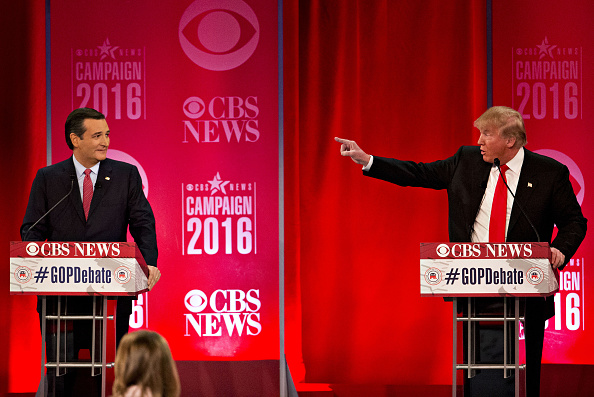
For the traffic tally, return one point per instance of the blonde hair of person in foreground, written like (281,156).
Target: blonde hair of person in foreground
(144,367)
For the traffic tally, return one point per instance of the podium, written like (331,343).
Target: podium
(96,269)
(468,270)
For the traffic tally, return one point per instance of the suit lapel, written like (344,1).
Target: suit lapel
(102,185)
(526,185)
(75,200)
(480,177)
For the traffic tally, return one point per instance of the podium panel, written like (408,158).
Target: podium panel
(77,268)
(474,270)
(96,269)
(487,269)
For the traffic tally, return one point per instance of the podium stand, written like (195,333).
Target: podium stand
(468,270)
(97,269)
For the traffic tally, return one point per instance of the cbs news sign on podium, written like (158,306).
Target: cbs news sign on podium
(76,268)
(487,269)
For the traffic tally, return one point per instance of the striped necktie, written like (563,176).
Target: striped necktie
(87,192)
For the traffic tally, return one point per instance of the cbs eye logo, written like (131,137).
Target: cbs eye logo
(442,250)
(32,249)
(196,301)
(194,107)
(219,34)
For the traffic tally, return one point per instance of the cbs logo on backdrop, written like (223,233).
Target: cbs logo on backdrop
(219,35)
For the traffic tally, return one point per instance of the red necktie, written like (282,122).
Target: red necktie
(87,192)
(499,210)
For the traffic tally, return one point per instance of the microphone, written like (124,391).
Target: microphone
(497,164)
(72,178)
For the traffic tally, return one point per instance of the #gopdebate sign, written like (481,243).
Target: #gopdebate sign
(486,269)
(76,268)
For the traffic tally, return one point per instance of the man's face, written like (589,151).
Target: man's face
(92,147)
(493,145)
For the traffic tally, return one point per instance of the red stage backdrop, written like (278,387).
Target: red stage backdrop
(404,79)
(197,112)
(190,93)
(545,70)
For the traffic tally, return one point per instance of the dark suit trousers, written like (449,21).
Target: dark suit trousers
(534,326)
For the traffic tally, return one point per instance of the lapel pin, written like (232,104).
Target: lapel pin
(108,178)
(529,184)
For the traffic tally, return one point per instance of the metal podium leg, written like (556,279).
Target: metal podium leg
(58,335)
(472,326)
(93,337)
(517,344)
(103,304)
(43,331)
(454,343)
(104,346)
(505,338)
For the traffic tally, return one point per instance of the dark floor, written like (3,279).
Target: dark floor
(259,379)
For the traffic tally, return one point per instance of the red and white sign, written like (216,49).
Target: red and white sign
(486,269)
(76,268)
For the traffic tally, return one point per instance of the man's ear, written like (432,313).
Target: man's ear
(511,142)
(74,139)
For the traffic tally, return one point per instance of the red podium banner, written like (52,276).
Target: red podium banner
(76,268)
(487,269)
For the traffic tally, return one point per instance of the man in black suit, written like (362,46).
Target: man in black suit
(118,202)
(541,186)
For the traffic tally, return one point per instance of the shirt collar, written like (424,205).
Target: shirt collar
(515,164)
(80,169)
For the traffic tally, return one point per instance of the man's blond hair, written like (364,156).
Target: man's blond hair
(508,121)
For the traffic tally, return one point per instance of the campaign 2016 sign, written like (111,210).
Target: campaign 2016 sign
(76,268)
(486,269)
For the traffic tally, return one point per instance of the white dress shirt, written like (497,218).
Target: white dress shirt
(481,225)
(80,175)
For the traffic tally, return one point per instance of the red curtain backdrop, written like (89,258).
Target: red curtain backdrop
(404,79)
(22,107)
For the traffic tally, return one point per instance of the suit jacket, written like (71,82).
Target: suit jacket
(544,192)
(118,202)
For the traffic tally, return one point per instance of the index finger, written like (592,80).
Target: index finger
(341,140)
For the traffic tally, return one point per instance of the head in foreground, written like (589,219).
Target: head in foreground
(144,360)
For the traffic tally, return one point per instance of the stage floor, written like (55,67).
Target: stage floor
(239,379)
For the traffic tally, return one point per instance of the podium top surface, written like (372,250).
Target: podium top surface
(77,268)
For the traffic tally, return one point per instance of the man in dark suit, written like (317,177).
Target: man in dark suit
(541,186)
(115,201)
